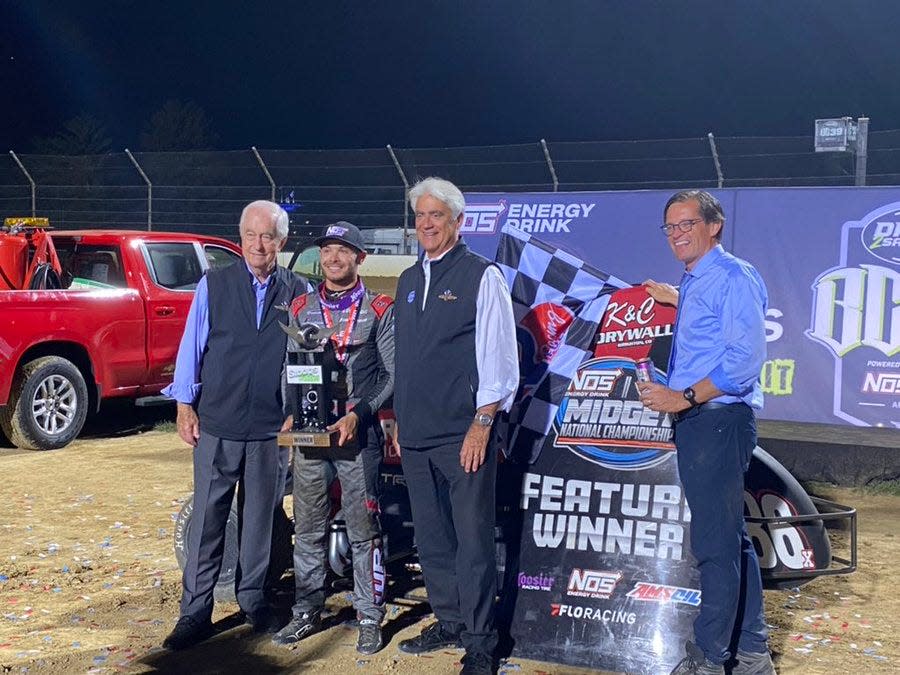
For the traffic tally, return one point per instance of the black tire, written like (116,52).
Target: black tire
(766,476)
(280,559)
(47,405)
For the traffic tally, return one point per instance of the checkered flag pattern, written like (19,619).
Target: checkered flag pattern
(538,273)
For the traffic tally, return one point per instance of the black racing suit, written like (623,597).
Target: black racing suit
(366,349)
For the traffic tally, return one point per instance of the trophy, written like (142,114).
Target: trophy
(317,394)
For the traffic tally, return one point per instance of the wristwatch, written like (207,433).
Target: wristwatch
(690,396)
(483,419)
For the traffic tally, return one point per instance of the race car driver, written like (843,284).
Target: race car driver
(363,346)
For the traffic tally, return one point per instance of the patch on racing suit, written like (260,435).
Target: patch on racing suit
(297,304)
(380,303)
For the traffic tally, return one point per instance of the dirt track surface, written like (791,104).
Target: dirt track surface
(89,582)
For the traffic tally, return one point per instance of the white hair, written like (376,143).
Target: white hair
(278,214)
(440,189)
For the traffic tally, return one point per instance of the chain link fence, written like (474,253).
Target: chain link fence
(204,192)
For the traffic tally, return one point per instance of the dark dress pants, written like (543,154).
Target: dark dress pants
(714,450)
(454,514)
(218,465)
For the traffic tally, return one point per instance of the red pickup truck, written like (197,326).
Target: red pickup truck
(112,330)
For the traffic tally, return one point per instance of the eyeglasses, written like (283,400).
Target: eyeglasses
(684,226)
(265,237)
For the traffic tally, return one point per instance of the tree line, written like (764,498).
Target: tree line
(176,126)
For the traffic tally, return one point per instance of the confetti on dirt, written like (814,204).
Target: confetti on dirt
(89,582)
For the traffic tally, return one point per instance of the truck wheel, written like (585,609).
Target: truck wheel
(47,404)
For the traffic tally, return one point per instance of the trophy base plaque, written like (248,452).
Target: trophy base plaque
(311,439)
(318,444)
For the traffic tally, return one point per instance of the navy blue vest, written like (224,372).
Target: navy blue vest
(436,375)
(240,398)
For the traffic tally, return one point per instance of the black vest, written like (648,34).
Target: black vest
(240,398)
(436,375)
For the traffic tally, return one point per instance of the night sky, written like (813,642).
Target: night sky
(329,74)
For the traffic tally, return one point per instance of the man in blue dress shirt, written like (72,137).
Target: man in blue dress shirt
(228,387)
(713,389)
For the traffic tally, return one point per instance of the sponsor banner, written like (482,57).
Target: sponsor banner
(603,573)
(830,258)
(603,510)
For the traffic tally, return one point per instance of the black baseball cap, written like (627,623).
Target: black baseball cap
(344,232)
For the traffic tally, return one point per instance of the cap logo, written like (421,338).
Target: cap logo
(335,231)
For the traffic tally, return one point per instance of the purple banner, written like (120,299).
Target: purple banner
(830,258)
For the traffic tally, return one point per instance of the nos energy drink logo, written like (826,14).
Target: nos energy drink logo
(602,420)
(881,235)
(535,215)
(482,218)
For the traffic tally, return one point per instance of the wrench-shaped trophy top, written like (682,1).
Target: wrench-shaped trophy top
(308,336)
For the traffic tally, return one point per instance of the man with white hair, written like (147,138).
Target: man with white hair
(228,387)
(456,367)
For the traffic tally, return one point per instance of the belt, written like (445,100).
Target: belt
(700,407)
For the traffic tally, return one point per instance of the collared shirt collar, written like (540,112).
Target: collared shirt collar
(256,282)
(707,261)
(427,261)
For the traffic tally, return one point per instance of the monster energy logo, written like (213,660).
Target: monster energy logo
(777,377)
(857,307)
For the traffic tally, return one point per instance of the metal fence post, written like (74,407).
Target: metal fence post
(715,155)
(405,201)
(550,165)
(30,180)
(265,169)
(149,189)
(862,148)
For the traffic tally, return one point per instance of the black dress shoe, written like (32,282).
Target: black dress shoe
(432,638)
(188,632)
(477,663)
(264,622)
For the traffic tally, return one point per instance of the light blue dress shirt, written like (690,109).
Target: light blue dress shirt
(720,331)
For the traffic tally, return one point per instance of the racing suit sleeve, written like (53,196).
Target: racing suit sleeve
(371,400)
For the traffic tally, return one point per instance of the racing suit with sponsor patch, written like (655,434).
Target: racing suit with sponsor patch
(363,345)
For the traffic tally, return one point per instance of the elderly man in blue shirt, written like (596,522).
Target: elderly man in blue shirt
(228,387)
(713,389)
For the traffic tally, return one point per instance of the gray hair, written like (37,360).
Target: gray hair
(440,189)
(278,214)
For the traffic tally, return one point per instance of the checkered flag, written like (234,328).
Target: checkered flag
(558,302)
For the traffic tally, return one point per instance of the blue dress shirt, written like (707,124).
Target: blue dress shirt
(720,331)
